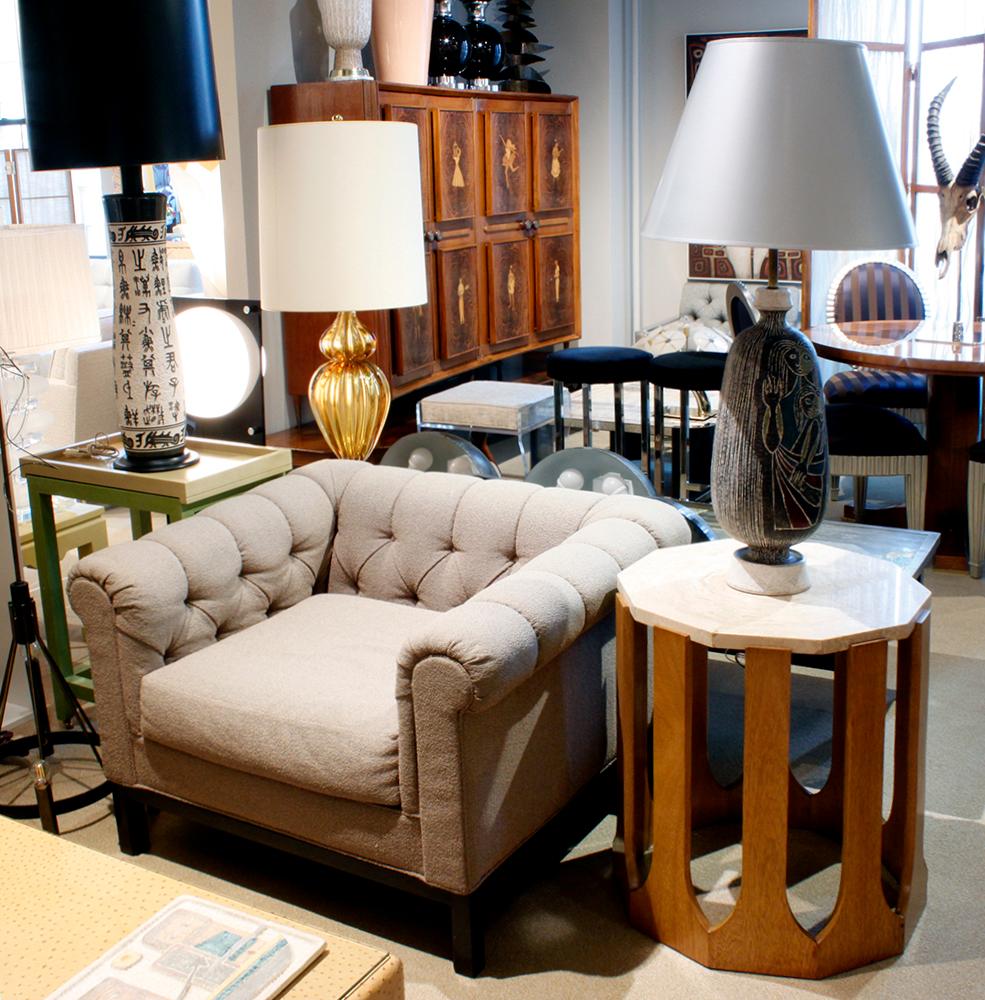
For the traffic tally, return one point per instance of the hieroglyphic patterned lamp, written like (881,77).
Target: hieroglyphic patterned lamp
(805,164)
(341,230)
(94,101)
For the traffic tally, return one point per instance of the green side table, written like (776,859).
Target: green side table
(224,469)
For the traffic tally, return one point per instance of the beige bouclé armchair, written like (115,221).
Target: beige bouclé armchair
(403,674)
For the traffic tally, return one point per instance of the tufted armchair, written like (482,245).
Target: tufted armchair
(402,674)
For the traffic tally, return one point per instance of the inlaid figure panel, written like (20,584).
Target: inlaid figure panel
(418,117)
(507,163)
(413,343)
(510,314)
(554,265)
(458,283)
(553,162)
(454,164)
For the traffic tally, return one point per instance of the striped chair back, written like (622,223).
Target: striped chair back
(875,289)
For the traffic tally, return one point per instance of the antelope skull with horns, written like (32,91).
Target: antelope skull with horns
(959,196)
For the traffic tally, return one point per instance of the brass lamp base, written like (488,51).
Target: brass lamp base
(349,395)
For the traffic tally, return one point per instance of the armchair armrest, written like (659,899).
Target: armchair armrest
(508,629)
(178,589)
(461,689)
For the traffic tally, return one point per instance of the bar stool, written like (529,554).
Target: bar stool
(866,440)
(976,509)
(587,366)
(686,371)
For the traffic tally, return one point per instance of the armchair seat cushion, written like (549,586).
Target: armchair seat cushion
(306,697)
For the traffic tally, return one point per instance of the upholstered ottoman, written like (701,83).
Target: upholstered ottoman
(512,408)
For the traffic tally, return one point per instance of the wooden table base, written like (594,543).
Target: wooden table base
(883,873)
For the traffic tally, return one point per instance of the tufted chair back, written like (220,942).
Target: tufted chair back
(705,301)
(436,540)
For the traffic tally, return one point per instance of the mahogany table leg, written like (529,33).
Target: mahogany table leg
(953,417)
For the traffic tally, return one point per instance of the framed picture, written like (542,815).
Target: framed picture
(706,262)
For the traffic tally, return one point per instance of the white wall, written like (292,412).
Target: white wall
(587,61)
(663,25)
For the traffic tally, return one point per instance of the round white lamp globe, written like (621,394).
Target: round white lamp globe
(461,466)
(420,459)
(571,479)
(613,484)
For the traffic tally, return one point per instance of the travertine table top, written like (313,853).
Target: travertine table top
(852,598)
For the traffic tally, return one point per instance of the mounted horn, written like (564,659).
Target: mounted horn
(970,174)
(942,170)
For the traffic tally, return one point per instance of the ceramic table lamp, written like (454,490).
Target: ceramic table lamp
(804,163)
(89,106)
(341,230)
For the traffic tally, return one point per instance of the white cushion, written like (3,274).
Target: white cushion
(685,334)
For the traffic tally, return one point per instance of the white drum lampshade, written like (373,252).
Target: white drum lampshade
(47,297)
(341,220)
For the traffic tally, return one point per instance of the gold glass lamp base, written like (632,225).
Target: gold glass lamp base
(349,395)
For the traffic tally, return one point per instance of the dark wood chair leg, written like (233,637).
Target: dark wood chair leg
(468,945)
(132,827)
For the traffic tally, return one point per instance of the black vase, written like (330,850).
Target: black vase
(449,47)
(770,460)
(485,48)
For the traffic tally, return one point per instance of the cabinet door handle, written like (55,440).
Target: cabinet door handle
(535,223)
(527,225)
(437,236)
(429,236)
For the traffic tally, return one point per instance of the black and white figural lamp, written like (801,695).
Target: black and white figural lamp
(104,91)
(804,164)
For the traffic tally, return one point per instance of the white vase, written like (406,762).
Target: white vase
(402,40)
(346,27)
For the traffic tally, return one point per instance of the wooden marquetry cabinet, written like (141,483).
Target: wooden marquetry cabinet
(499,189)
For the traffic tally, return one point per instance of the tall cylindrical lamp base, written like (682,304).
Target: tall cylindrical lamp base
(147,377)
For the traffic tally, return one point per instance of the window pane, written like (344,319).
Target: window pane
(942,295)
(11,91)
(863,20)
(961,113)
(886,69)
(953,19)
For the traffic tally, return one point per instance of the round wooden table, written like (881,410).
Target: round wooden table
(955,371)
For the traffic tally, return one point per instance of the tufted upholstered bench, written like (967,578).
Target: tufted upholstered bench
(402,674)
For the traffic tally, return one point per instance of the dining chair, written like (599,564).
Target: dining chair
(976,509)
(865,440)
(877,290)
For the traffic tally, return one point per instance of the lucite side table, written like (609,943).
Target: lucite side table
(856,605)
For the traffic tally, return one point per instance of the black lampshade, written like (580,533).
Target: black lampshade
(114,83)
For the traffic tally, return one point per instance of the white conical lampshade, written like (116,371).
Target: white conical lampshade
(781,144)
(341,222)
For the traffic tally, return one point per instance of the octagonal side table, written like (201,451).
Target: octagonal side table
(855,606)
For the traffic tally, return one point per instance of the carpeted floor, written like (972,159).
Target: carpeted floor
(566,935)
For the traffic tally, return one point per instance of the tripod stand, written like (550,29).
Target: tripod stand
(25,637)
